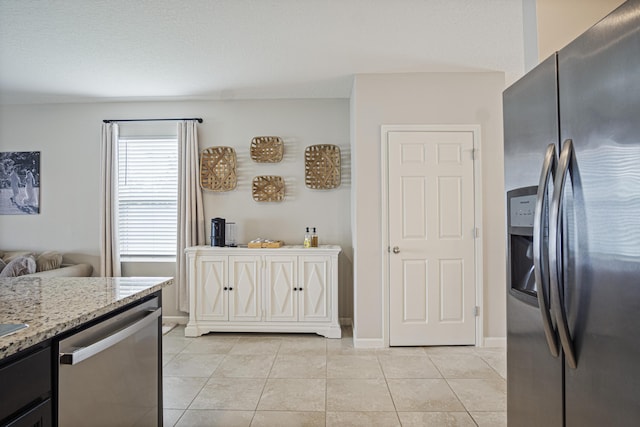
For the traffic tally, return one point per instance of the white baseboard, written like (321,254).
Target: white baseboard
(180,320)
(495,342)
(368,342)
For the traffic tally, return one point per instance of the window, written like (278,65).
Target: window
(147,196)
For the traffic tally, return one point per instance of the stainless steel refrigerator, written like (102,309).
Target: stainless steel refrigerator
(572,174)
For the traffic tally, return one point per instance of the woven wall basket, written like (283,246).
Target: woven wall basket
(218,169)
(267,149)
(268,188)
(322,166)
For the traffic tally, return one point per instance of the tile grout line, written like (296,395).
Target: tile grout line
(264,386)
(199,391)
(491,366)
(460,400)
(386,382)
(453,391)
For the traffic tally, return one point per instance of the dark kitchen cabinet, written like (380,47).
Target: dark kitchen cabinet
(25,395)
(39,416)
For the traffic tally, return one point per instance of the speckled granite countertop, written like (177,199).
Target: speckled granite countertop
(53,305)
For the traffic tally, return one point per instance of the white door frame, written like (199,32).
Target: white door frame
(477,191)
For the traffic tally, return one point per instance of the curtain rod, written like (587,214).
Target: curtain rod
(198,119)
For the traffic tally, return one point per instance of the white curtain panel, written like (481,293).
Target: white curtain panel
(191,227)
(109,245)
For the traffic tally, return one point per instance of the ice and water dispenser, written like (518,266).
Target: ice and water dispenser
(521,204)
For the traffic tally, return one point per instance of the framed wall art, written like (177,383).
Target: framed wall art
(20,183)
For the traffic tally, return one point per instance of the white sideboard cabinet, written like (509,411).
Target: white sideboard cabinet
(287,289)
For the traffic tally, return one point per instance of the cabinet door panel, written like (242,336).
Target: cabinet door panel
(281,279)
(244,297)
(211,298)
(314,297)
(40,416)
(24,381)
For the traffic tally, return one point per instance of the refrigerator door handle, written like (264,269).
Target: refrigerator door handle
(555,260)
(542,272)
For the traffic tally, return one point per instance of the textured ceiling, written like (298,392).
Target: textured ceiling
(88,50)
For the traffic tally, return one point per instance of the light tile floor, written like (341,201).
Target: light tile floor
(233,380)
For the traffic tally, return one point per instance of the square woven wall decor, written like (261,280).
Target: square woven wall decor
(268,188)
(322,166)
(267,149)
(218,169)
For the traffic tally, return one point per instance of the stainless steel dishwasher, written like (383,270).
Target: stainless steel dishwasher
(108,373)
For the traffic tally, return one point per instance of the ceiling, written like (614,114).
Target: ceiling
(113,50)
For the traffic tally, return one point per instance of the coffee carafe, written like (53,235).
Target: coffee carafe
(230,235)
(217,232)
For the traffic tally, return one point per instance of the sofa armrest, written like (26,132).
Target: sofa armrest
(76,270)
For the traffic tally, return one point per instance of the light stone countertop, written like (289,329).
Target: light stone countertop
(54,305)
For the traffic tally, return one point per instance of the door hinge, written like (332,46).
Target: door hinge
(476,311)
(475,154)
(476,232)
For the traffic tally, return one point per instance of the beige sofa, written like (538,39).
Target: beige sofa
(43,264)
(69,270)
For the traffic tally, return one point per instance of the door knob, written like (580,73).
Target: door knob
(396,250)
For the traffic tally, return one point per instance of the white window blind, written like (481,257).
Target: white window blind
(147,196)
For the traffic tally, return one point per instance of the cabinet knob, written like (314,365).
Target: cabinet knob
(225,288)
(230,288)
(295,289)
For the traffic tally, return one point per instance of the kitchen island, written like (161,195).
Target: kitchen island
(55,309)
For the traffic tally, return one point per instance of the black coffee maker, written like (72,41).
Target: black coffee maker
(217,232)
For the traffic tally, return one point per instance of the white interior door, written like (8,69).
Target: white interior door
(431,237)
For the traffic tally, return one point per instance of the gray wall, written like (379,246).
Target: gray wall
(68,137)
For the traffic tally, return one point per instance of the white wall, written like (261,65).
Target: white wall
(423,98)
(68,137)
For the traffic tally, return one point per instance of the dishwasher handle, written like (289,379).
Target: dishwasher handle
(83,353)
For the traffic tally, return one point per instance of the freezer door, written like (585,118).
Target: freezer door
(599,86)
(530,109)
(534,376)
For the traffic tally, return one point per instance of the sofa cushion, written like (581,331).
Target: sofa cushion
(48,261)
(2,264)
(9,256)
(19,266)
